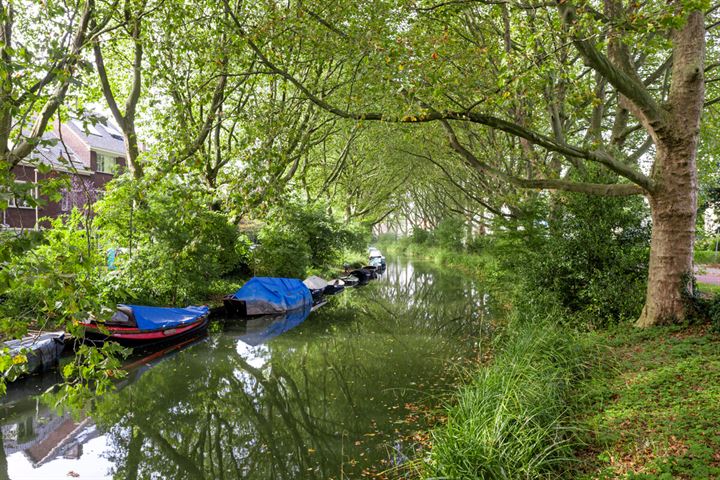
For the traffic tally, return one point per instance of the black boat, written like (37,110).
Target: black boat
(349,280)
(334,286)
(363,275)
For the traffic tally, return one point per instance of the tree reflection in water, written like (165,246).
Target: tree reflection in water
(327,399)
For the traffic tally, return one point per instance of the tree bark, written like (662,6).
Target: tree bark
(673,233)
(674,202)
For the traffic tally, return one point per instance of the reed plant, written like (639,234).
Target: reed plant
(512,420)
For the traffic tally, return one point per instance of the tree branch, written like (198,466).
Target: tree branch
(608,190)
(627,83)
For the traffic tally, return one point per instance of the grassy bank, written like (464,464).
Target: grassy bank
(655,415)
(554,402)
(512,420)
(705,257)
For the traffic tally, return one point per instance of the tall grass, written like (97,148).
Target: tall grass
(512,419)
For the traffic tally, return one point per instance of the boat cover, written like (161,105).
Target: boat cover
(42,351)
(269,295)
(262,329)
(315,283)
(154,318)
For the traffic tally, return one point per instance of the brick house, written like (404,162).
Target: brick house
(88,155)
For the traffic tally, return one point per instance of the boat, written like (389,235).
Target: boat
(317,287)
(138,325)
(376,258)
(42,350)
(268,296)
(349,280)
(363,275)
(334,287)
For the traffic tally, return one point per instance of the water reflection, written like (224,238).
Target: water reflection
(325,396)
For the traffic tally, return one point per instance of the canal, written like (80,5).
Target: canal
(343,393)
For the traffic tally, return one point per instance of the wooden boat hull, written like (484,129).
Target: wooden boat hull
(135,337)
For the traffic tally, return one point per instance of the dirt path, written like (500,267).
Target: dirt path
(707,274)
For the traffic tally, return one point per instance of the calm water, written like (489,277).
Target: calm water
(338,395)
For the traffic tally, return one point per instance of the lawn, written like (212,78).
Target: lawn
(653,413)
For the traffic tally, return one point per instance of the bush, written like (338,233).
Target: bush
(589,258)
(175,245)
(449,233)
(421,236)
(301,237)
(55,284)
(283,252)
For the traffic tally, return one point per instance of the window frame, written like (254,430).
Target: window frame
(12,201)
(114,163)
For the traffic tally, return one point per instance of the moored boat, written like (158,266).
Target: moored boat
(317,287)
(363,275)
(42,350)
(137,325)
(334,286)
(376,258)
(349,280)
(268,296)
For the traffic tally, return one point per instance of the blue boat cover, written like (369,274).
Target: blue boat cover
(262,329)
(268,295)
(153,318)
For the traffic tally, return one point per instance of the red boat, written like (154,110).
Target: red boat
(137,326)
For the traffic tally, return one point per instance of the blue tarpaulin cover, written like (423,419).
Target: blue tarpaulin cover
(265,328)
(153,318)
(268,295)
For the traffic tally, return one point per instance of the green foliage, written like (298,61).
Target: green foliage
(56,284)
(53,286)
(589,259)
(704,257)
(174,245)
(92,372)
(511,420)
(420,236)
(654,415)
(300,237)
(283,252)
(449,233)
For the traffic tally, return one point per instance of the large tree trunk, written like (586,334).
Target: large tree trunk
(674,202)
(671,249)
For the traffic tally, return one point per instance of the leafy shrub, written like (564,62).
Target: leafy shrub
(283,252)
(589,258)
(420,236)
(449,233)
(55,284)
(300,237)
(174,244)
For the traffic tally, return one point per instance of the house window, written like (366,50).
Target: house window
(22,201)
(106,163)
